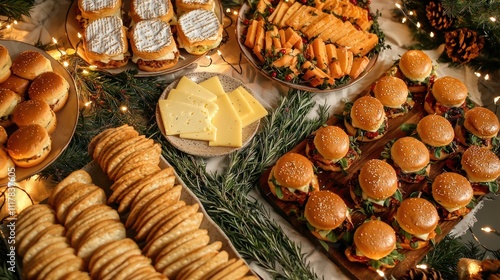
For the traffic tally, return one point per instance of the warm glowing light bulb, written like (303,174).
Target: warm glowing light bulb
(15,21)
(92,67)
(8,26)
(432,34)
(87,104)
(79,35)
(398,5)
(421,266)
(228,10)
(418,24)
(85,72)
(403,20)
(65,64)
(477,74)
(54,40)
(493,19)
(235,13)
(123,108)
(487,77)
(380,272)
(488,229)
(410,13)
(218,52)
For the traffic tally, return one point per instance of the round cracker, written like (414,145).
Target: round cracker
(30,236)
(135,174)
(77,275)
(101,235)
(208,266)
(116,150)
(70,265)
(164,190)
(168,225)
(235,270)
(40,218)
(224,267)
(142,272)
(27,216)
(38,264)
(109,251)
(77,176)
(114,170)
(237,273)
(194,265)
(145,215)
(250,277)
(108,139)
(96,196)
(145,229)
(173,269)
(97,138)
(118,256)
(53,265)
(131,265)
(167,182)
(163,220)
(87,219)
(151,154)
(139,145)
(173,194)
(42,254)
(182,239)
(181,251)
(64,204)
(166,176)
(152,248)
(38,247)
(113,141)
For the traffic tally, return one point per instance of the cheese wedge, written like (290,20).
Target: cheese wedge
(181,96)
(214,85)
(205,135)
(185,84)
(228,124)
(179,117)
(258,110)
(240,104)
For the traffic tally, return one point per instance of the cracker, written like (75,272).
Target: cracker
(168,225)
(96,196)
(231,272)
(105,140)
(38,247)
(151,154)
(224,268)
(173,269)
(145,216)
(250,277)
(78,234)
(194,265)
(166,181)
(116,150)
(167,178)
(31,236)
(208,266)
(132,264)
(114,169)
(152,248)
(182,239)
(162,190)
(53,265)
(107,252)
(33,268)
(40,217)
(142,272)
(141,144)
(75,264)
(41,254)
(181,251)
(145,229)
(88,218)
(113,141)
(97,138)
(118,256)
(68,196)
(77,275)
(111,231)
(135,174)
(25,218)
(77,176)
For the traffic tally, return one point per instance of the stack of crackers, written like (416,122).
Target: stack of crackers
(149,202)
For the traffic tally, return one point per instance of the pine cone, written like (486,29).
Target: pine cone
(437,17)
(462,45)
(422,274)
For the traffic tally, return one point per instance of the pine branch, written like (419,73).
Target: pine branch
(16,8)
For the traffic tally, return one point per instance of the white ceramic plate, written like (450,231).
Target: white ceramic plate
(254,61)
(67,117)
(201,148)
(73,28)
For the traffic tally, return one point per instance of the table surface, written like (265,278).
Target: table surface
(43,25)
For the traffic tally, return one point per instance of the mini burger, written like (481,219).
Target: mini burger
(375,187)
(365,119)
(394,95)
(374,244)
(452,192)
(411,159)
(416,70)
(438,135)
(52,88)
(292,178)
(3,136)
(5,63)
(35,111)
(448,98)
(482,168)
(6,164)
(478,127)
(8,101)
(415,222)
(331,149)
(327,216)
(29,145)
(29,64)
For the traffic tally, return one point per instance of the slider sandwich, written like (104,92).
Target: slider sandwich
(448,98)
(5,63)
(151,9)
(153,46)
(105,43)
(365,119)
(184,6)
(199,31)
(478,127)
(35,111)
(6,164)
(375,187)
(292,178)
(438,135)
(331,149)
(416,70)
(374,244)
(29,145)
(393,93)
(410,159)
(416,223)
(29,64)
(327,216)
(452,193)
(482,169)
(95,9)
(50,87)
(8,101)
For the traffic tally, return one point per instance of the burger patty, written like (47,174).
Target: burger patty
(112,63)
(155,63)
(412,177)
(355,189)
(450,113)
(471,139)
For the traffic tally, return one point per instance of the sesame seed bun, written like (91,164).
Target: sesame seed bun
(5,64)
(449,91)
(417,216)
(29,145)
(481,122)
(480,164)
(52,88)
(367,113)
(293,170)
(16,84)
(451,190)
(8,101)
(325,210)
(410,154)
(378,179)
(435,130)
(35,111)
(416,65)
(391,91)
(6,164)
(3,136)
(375,239)
(331,142)
(29,64)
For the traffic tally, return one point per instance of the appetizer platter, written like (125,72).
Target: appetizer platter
(299,52)
(167,36)
(204,143)
(108,220)
(53,123)
(404,157)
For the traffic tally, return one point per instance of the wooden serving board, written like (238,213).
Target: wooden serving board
(336,182)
